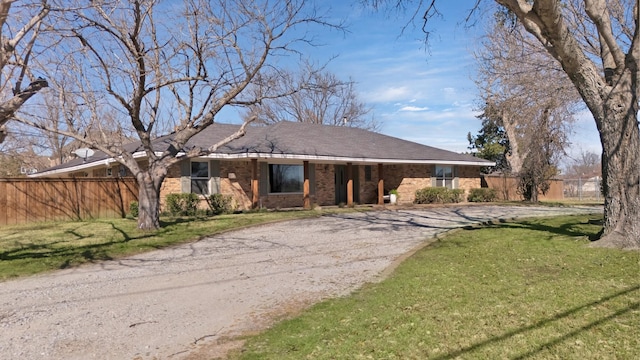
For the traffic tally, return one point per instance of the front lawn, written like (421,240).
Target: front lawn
(526,290)
(33,248)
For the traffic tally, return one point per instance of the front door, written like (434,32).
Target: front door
(341,184)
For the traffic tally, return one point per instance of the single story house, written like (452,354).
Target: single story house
(291,164)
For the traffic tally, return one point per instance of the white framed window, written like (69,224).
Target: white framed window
(285,178)
(200,177)
(444,176)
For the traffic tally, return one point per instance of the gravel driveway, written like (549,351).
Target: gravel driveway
(183,302)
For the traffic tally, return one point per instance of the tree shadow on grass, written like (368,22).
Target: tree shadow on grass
(634,306)
(576,227)
(69,253)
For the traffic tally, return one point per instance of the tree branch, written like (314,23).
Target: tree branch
(598,12)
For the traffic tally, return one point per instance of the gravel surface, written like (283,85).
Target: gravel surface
(188,302)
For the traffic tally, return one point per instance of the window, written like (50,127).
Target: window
(200,177)
(367,173)
(285,178)
(109,172)
(444,176)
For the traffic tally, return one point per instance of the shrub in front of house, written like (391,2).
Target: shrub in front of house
(219,204)
(438,195)
(182,204)
(482,195)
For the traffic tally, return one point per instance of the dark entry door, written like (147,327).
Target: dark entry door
(341,183)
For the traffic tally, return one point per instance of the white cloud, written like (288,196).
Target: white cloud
(413,108)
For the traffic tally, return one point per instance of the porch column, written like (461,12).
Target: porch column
(349,184)
(380,185)
(255,193)
(305,190)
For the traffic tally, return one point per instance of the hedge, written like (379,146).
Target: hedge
(482,195)
(182,204)
(438,195)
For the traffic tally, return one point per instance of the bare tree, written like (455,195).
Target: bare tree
(585,164)
(21,152)
(314,96)
(609,89)
(597,44)
(546,141)
(514,76)
(20,24)
(162,66)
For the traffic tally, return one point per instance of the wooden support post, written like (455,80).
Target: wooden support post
(349,184)
(255,192)
(380,185)
(306,189)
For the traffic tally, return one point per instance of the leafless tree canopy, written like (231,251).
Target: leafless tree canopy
(585,165)
(314,96)
(149,67)
(20,25)
(597,44)
(524,90)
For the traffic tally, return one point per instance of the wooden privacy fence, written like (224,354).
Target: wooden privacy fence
(25,200)
(507,188)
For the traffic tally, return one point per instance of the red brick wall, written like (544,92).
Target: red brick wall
(405,178)
(235,180)
(325,185)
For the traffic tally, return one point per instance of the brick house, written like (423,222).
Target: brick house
(290,164)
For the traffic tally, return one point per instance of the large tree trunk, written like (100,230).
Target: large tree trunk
(516,157)
(149,200)
(534,194)
(620,167)
(612,99)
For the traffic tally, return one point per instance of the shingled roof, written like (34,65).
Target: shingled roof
(292,140)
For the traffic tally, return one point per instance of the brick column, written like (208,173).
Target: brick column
(349,184)
(255,192)
(306,190)
(380,185)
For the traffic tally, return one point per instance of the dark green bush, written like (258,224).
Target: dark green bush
(133,209)
(482,195)
(219,204)
(438,195)
(182,204)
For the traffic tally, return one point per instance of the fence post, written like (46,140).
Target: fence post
(579,188)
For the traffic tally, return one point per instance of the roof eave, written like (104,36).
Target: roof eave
(316,158)
(85,166)
(325,158)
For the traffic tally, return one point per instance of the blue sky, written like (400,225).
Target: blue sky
(418,93)
(426,95)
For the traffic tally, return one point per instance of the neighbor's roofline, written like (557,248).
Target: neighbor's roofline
(265,156)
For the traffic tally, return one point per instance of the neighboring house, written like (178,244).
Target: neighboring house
(290,164)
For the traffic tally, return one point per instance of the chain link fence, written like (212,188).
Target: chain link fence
(583,189)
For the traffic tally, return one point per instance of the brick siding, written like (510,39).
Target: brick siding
(235,180)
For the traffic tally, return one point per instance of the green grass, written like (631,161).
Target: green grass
(34,248)
(526,290)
